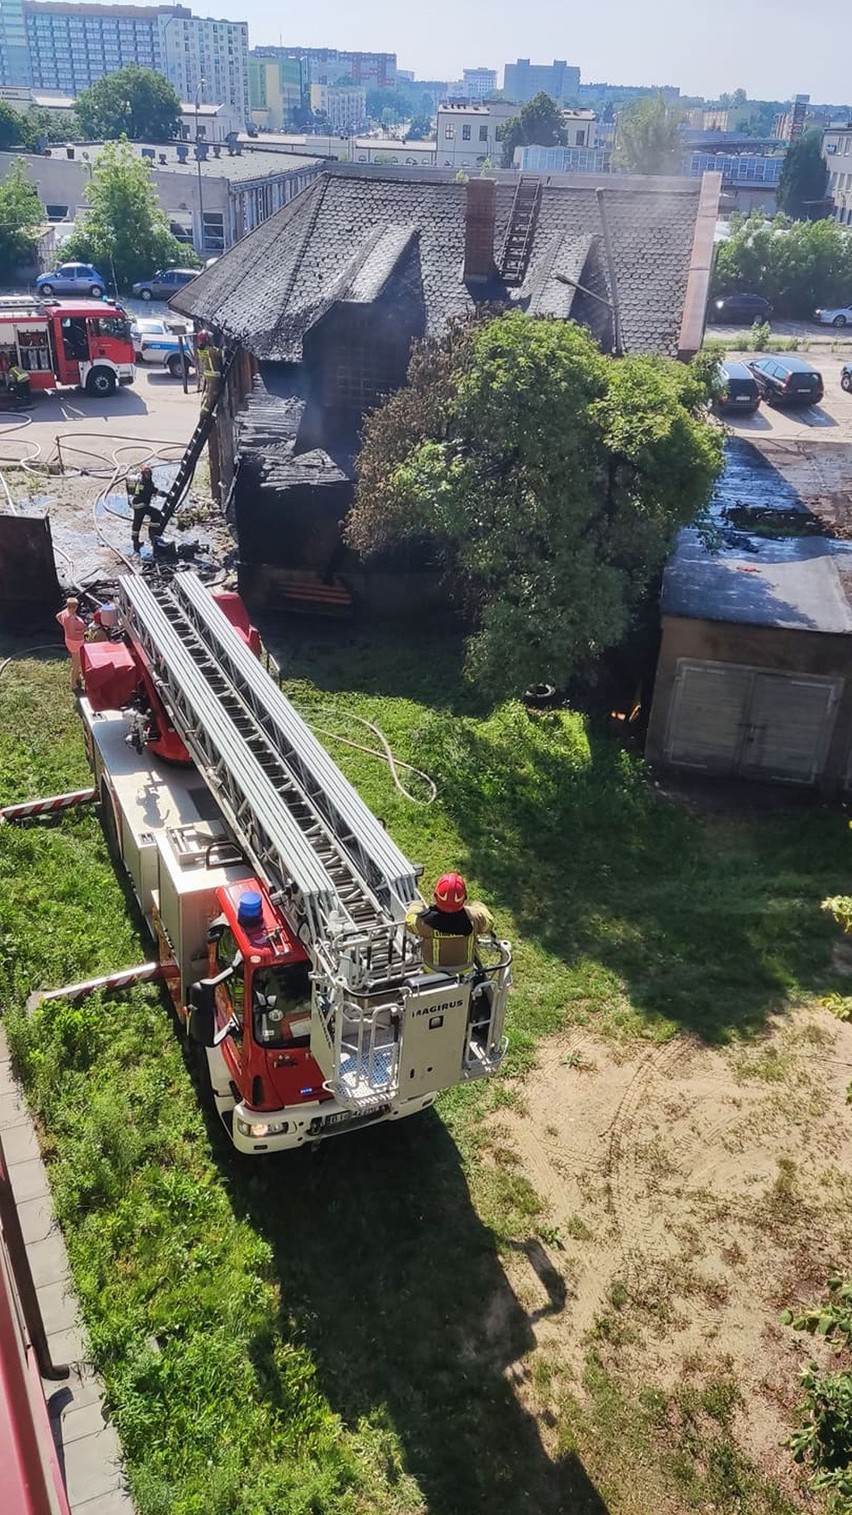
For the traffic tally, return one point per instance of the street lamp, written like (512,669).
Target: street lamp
(198,89)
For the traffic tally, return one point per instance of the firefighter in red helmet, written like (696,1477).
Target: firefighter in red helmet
(450,928)
(209,359)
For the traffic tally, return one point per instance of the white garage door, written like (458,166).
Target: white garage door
(730,719)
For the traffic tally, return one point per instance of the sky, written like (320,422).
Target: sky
(771,48)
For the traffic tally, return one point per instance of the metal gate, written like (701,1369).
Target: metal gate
(739,721)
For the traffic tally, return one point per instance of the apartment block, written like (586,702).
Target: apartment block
(523,80)
(326,65)
(54,45)
(837,152)
(344,105)
(278,91)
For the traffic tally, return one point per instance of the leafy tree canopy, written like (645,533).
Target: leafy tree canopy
(539,122)
(548,479)
(804,179)
(420,129)
(133,102)
(21,216)
(648,139)
(796,265)
(125,233)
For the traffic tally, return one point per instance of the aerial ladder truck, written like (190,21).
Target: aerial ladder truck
(275,897)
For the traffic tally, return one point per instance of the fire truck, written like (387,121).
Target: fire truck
(275,897)
(85,343)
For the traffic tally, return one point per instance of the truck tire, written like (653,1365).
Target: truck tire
(101,383)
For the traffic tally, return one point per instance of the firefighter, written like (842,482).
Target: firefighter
(143,493)
(18,384)
(450,928)
(210,368)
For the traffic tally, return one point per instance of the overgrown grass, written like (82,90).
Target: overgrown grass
(329,1333)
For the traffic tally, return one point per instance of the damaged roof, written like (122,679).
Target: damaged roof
(344,237)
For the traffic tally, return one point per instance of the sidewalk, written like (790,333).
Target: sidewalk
(88,1447)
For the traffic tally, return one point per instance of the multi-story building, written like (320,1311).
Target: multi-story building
(837,152)
(580,127)
(278,91)
(523,80)
(467,134)
(68,47)
(325,65)
(479,83)
(343,105)
(212,195)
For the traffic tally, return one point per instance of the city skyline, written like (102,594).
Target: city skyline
(772,50)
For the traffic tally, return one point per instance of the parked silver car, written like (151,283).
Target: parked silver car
(162,285)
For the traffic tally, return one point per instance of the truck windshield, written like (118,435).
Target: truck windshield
(111,326)
(281,1006)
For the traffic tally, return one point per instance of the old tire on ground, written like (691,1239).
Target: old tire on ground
(101,383)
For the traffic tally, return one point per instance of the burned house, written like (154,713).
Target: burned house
(324,300)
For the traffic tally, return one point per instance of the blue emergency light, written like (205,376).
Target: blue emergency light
(250,909)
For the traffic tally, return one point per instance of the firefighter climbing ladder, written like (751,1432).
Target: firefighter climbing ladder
(333,868)
(186,467)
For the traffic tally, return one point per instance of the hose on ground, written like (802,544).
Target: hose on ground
(383,754)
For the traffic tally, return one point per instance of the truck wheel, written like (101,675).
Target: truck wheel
(101,383)
(46,289)
(110,828)
(146,295)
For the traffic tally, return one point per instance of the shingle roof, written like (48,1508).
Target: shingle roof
(269,289)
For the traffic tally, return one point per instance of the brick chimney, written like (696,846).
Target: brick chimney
(479,218)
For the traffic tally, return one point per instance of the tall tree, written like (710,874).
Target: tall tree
(648,138)
(804,179)
(12,130)
(540,123)
(125,231)
(548,478)
(133,102)
(21,216)
(796,265)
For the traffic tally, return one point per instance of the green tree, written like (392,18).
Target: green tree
(648,139)
(548,479)
(125,230)
(804,180)
(796,265)
(21,217)
(539,122)
(420,129)
(12,129)
(133,102)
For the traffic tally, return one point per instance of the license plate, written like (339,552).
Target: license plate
(349,1118)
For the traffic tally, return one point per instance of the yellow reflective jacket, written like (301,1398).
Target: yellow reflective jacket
(448,939)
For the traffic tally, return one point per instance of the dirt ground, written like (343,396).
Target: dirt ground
(691,1193)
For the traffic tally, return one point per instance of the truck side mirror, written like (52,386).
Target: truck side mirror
(201,1024)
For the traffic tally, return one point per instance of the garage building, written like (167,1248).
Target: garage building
(754,677)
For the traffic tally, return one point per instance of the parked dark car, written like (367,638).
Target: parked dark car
(738,390)
(786,380)
(162,285)
(732,309)
(846,377)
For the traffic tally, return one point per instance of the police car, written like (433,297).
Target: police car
(158,341)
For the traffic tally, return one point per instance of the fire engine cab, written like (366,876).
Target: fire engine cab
(85,343)
(276,898)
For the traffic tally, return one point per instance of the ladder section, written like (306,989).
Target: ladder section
(192,690)
(385,871)
(186,467)
(519,233)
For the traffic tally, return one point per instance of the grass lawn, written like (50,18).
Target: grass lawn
(317,1334)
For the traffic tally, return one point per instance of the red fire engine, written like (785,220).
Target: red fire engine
(275,898)
(85,343)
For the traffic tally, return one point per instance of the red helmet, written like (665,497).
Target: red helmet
(201,339)
(145,469)
(450,892)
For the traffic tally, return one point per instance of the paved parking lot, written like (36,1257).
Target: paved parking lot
(832,419)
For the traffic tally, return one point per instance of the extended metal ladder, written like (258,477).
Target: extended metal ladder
(186,468)
(335,871)
(519,232)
